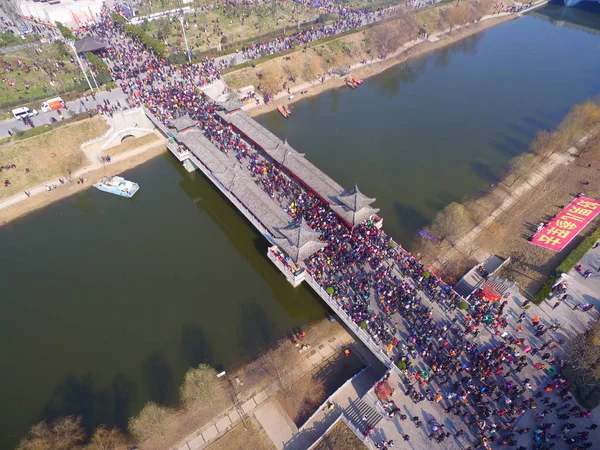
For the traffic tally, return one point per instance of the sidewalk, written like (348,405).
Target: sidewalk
(314,358)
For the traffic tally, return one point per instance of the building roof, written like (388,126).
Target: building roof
(353,206)
(182,122)
(299,241)
(354,217)
(231,105)
(354,199)
(227,171)
(285,154)
(89,44)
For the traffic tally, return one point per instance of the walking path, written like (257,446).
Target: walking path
(320,355)
(463,246)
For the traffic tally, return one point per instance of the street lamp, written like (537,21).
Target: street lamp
(187,47)
(72,45)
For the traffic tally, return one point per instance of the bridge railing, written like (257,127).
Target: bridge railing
(364,336)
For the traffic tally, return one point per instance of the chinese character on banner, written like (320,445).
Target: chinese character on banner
(567,224)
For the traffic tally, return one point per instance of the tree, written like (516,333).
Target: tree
(66,32)
(274,365)
(385,38)
(269,81)
(542,143)
(201,387)
(65,433)
(290,71)
(452,221)
(522,165)
(150,421)
(105,438)
(309,70)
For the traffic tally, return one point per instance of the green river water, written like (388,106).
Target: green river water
(106,302)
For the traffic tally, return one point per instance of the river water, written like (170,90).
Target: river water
(106,301)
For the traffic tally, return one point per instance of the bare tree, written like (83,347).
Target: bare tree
(150,421)
(270,81)
(385,38)
(274,365)
(201,387)
(65,433)
(105,438)
(522,165)
(452,221)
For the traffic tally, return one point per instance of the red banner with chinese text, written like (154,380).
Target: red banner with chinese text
(567,224)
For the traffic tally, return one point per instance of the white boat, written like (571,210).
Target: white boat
(118,186)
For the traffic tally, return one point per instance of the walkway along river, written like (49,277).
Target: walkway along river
(126,293)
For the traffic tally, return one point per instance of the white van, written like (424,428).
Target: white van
(53,104)
(23,111)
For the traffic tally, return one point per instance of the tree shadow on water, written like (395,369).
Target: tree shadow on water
(256,329)
(159,379)
(80,395)
(195,346)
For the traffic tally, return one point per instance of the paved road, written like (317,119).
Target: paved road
(75,105)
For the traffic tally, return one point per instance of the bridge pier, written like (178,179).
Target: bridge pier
(294,274)
(189,166)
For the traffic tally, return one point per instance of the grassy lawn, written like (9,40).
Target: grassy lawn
(240,439)
(8,39)
(48,156)
(36,73)
(340,437)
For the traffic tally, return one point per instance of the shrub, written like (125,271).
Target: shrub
(330,290)
(224,40)
(401,365)
(32,132)
(325,17)
(463,306)
(177,58)
(363,325)
(66,32)
(426,275)
(117,18)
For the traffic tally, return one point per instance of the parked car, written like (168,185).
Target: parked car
(23,111)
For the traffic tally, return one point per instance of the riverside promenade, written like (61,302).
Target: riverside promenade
(291,242)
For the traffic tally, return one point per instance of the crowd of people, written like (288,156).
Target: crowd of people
(383,288)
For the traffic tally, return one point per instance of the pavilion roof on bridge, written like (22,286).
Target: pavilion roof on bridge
(182,123)
(231,105)
(354,199)
(354,218)
(299,241)
(354,206)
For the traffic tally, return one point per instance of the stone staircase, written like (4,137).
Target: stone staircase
(358,411)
